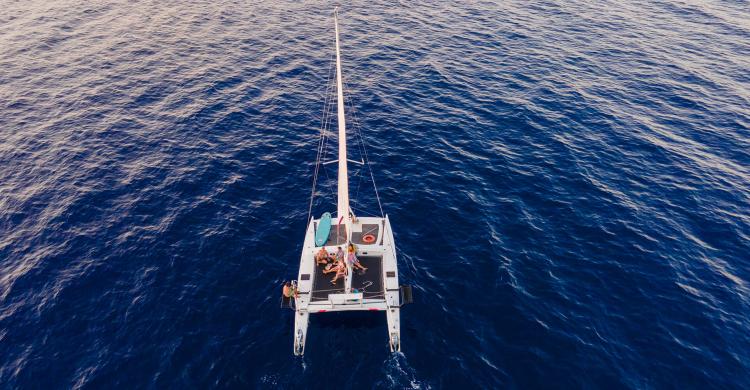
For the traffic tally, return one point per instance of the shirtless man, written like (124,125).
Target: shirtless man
(322,256)
(289,291)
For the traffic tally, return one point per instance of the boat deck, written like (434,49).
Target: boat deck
(322,285)
(337,236)
(367,228)
(370,282)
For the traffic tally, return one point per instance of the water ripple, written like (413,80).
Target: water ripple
(569,184)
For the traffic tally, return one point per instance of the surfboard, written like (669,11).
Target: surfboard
(324,228)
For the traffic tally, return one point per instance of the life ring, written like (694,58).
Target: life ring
(368,238)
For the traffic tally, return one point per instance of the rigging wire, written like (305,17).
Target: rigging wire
(322,149)
(358,132)
(329,120)
(321,139)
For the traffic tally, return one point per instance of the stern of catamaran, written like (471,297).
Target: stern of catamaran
(376,289)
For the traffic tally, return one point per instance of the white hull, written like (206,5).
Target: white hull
(316,294)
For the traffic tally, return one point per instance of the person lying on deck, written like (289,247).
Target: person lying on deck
(340,272)
(333,268)
(322,256)
(339,269)
(352,259)
(333,260)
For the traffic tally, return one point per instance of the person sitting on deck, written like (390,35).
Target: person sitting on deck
(339,268)
(352,260)
(340,254)
(322,256)
(289,291)
(333,260)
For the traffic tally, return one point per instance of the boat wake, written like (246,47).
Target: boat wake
(399,374)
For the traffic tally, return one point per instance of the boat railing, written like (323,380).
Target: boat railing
(337,291)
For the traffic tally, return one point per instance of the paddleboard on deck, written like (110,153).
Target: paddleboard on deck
(324,228)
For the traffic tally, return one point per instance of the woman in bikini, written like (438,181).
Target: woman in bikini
(340,269)
(352,259)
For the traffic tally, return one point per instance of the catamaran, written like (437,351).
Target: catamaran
(377,289)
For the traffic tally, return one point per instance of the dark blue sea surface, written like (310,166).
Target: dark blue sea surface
(568,182)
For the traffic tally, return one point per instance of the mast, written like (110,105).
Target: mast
(343,190)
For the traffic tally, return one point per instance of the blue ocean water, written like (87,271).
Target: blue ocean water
(568,181)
